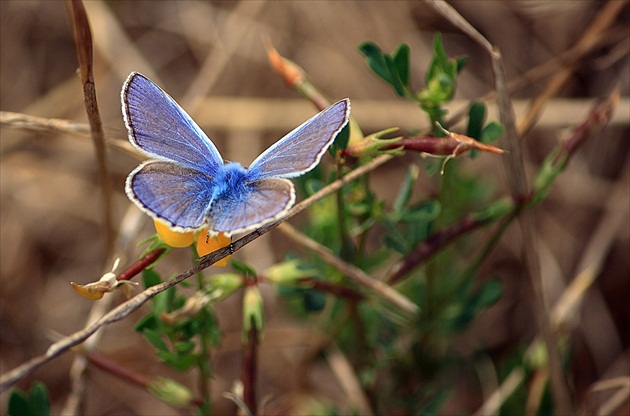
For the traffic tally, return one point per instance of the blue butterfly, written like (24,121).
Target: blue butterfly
(187,185)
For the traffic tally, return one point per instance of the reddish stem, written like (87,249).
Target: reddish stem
(433,244)
(140,264)
(337,290)
(598,117)
(249,370)
(110,366)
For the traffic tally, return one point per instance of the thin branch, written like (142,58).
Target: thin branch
(232,32)
(517,178)
(568,305)
(11,377)
(13,120)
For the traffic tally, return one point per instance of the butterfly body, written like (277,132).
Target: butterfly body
(186,184)
(231,179)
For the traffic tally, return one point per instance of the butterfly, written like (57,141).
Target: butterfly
(187,185)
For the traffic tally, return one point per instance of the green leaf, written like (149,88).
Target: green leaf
(436,403)
(396,81)
(150,278)
(476,118)
(460,63)
(178,362)
(483,298)
(313,186)
(341,141)
(393,69)
(425,212)
(395,240)
(146,322)
(488,295)
(439,53)
(314,301)
(376,60)
(39,400)
(244,268)
(402,199)
(184,347)
(401,61)
(491,132)
(154,337)
(36,403)
(18,404)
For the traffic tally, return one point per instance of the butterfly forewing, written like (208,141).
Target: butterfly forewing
(301,150)
(258,203)
(175,194)
(159,127)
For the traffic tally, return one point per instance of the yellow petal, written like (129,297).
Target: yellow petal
(214,242)
(174,238)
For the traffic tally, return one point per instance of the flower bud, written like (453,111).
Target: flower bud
(174,238)
(223,285)
(290,72)
(207,243)
(170,391)
(372,145)
(253,311)
(288,272)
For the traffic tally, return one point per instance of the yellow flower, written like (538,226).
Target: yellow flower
(206,244)
(174,238)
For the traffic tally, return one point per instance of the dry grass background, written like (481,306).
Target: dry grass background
(210,57)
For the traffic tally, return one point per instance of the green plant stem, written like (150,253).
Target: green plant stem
(341,218)
(362,349)
(205,371)
(204,364)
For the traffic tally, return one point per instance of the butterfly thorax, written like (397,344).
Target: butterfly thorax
(229,179)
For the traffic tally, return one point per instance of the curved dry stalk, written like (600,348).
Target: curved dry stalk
(606,17)
(123,310)
(128,229)
(234,30)
(82,36)
(349,380)
(569,303)
(515,169)
(352,272)
(58,125)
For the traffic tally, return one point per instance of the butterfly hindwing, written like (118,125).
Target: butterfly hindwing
(257,203)
(175,194)
(301,149)
(160,128)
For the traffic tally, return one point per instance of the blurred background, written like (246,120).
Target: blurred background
(210,57)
